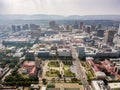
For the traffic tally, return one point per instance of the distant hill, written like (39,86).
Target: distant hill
(59,17)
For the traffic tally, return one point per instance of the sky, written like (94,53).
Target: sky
(60,7)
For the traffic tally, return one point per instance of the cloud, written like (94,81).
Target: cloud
(2,6)
(61,7)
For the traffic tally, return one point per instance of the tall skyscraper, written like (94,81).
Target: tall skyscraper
(13,28)
(81,51)
(109,36)
(119,30)
(100,33)
(25,27)
(18,27)
(52,24)
(76,25)
(99,26)
(93,27)
(81,25)
(88,29)
(34,26)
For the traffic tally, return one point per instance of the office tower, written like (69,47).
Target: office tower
(88,29)
(76,25)
(34,26)
(109,36)
(99,26)
(52,24)
(18,27)
(100,33)
(81,51)
(13,28)
(119,30)
(67,27)
(81,25)
(25,27)
(93,27)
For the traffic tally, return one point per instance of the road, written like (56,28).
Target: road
(80,72)
(8,73)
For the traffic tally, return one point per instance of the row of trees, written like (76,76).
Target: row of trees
(12,62)
(73,80)
(19,80)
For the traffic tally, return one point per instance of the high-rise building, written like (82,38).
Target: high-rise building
(67,27)
(52,24)
(93,27)
(81,25)
(34,26)
(99,26)
(100,33)
(81,51)
(25,27)
(76,26)
(88,29)
(109,36)
(119,30)
(13,28)
(18,27)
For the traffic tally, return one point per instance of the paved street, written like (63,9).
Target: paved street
(45,69)
(80,72)
(8,73)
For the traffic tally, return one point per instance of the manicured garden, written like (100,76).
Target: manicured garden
(90,75)
(68,73)
(54,64)
(53,73)
(54,69)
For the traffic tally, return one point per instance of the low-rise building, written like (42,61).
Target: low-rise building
(35,87)
(63,52)
(98,85)
(113,86)
(29,67)
(33,72)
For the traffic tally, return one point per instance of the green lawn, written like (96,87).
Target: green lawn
(52,73)
(68,73)
(89,75)
(54,64)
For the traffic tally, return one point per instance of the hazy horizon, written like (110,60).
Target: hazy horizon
(67,15)
(60,7)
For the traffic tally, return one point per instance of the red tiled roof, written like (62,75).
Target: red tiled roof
(33,71)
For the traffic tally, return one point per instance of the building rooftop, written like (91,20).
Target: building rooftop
(98,85)
(29,63)
(114,85)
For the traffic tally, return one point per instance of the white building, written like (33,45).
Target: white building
(52,52)
(98,85)
(64,52)
(113,86)
(100,75)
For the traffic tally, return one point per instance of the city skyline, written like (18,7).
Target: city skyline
(60,7)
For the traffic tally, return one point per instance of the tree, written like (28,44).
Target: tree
(53,80)
(51,86)
(65,79)
(44,81)
(73,80)
(12,65)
